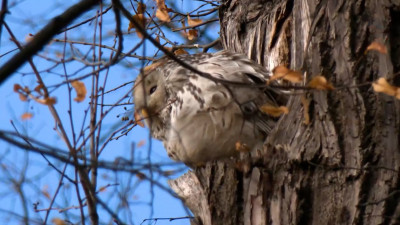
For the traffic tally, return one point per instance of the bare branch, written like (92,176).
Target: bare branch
(44,36)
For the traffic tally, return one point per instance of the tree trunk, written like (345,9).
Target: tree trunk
(341,168)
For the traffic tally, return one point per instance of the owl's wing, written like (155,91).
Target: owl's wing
(195,93)
(253,93)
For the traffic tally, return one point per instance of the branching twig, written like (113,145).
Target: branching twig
(44,36)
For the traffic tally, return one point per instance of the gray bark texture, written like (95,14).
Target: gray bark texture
(341,168)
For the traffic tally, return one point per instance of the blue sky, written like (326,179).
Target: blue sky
(27,17)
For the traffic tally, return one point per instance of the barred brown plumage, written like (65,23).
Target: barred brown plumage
(199,119)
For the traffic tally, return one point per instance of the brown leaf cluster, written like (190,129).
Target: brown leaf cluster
(41,97)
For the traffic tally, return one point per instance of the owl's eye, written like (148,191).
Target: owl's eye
(153,89)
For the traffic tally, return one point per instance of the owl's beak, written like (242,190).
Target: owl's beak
(140,115)
(145,114)
(139,119)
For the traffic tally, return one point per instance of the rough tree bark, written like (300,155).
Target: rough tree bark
(342,168)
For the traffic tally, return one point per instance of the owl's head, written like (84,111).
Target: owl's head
(149,93)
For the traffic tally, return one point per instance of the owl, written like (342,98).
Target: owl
(199,119)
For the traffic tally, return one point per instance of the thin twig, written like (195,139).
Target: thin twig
(44,36)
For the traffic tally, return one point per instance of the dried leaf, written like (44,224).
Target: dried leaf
(17,87)
(141,8)
(58,221)
(163,15)
(273,110)
(47,101)
(140,19)
(162,11)
(80,89)
(23,97)
(180,51)
(381,85)
(26,116)
(320,83)
(282,72)
(145,113)
(194,22)
(45,192)
(377,47)
(29,38)
(39,88)
(151,67)
(306,109)
(59,55)
(103,189)
(241,147)
(138,119)
(141,143)
(192,34)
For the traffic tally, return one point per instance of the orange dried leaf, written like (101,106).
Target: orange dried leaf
(273,110)
(151,67)
(29,38)
(26,116)
(45,192)
(80,89)
(180,51)
(141,143)
(58,221)
(294,77)
(194,22)
(103,189)
(306,109)
(162,14)
(320,83)
(162,11)
(59,55)
(282,72)
(140,19)
(192,34)
(138,119)
(241,147)
(381,85)
(377,47)
(17,87)
(39,88)
(141,8)
(23,97)
(47,101)
(145,113)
